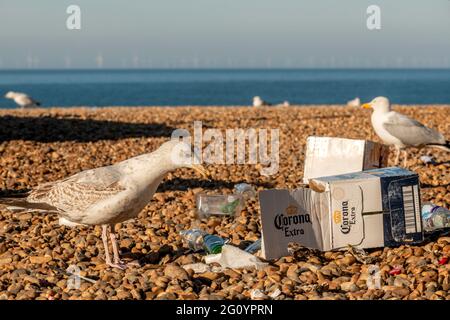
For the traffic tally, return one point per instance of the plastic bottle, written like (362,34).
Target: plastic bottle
(435,217)
(193,238)
(198,240)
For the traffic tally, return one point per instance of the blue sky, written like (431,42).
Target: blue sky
(224,33)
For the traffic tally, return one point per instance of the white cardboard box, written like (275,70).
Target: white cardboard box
(326,156)
(369,209)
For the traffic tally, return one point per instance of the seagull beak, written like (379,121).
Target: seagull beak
(201,169)
(366,105)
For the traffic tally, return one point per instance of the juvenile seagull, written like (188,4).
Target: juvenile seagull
(401,131)
(107,195)
(23,100)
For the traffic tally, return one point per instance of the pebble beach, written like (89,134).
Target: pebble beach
(42,145)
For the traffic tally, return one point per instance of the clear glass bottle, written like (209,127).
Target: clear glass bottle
(219,205)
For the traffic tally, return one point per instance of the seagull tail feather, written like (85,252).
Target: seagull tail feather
(20,203)
(445,146)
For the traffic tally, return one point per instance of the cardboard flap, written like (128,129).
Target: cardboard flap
(288,216)
(329,156)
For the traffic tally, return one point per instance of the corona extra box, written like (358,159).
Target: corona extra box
(368,209)
(326,156)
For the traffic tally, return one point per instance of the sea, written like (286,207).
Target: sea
(224,87)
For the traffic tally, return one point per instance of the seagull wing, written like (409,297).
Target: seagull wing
(79,192)
(24,100)
(411,132)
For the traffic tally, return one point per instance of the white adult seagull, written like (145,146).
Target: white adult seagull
(258,102)
(22,99)
(401,131)
(107,195)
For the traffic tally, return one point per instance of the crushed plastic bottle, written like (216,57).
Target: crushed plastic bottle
(435,217)
(198,240)
(246,190)
(233,257)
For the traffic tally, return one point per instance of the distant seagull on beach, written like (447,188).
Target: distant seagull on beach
(398,130)
(258,102)
(107,195)
(23,100)
(354,103)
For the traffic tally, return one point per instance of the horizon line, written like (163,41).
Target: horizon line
(220,68)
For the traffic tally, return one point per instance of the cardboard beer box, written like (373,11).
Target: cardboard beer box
(367,209)
(326,156)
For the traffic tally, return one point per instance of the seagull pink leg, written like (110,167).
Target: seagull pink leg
(114,245)
(105,244)
(117,262)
